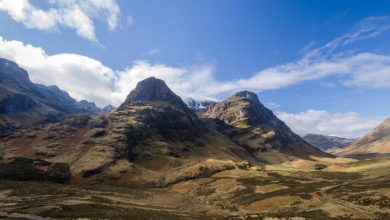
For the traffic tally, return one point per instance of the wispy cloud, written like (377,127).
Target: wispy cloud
(73,14)
(130,20)
(152,52)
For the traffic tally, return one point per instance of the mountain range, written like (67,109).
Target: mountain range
(326,142)
(152,139)
(159,157)
(24,104)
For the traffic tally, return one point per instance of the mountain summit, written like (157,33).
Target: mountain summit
(242,109)
(152,89)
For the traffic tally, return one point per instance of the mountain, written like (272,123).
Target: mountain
(198,105)
(376,141)
(90,107)
(108,108)
(254,127)
(325,142)
(159,115)
(23,103)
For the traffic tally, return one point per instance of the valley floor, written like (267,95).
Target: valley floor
(356,190)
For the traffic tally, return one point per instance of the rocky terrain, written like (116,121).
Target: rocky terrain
(326,142)
(376,141)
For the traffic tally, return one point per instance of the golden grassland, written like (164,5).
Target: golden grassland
(345,189)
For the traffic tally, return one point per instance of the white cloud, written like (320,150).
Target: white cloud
(198,81)
(86,78)
(348,124)
(77,15)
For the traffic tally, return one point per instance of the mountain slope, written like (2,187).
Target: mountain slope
(325,142)
(375,142)
(23,103)
(251,125)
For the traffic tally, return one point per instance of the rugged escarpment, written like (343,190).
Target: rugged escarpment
(254,127)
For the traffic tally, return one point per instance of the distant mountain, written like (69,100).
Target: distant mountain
(90,107)
(23,103)
(254,127)
(108,108)
(375,142)
(325,142)
(198,105)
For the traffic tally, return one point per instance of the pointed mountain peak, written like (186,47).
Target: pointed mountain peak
(246,94)
(152,89)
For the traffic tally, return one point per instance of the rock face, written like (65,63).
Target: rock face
(325,142)
(251,125)
(375,142)
(23,103)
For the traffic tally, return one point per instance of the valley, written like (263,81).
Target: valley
(269,192)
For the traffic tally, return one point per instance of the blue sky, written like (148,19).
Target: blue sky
(322,66)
